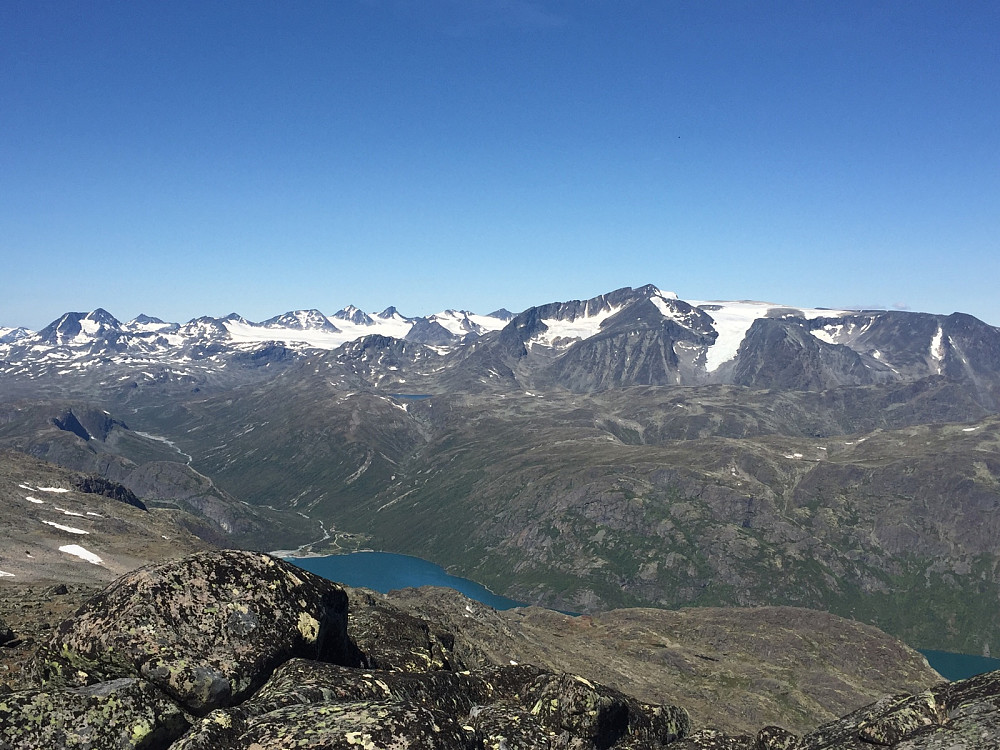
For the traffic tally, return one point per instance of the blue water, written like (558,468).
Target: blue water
(959,666)
(385,571)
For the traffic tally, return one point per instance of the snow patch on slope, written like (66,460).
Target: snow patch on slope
(733,320)
(937,349)
(68,529)
(84,554)
(566,332)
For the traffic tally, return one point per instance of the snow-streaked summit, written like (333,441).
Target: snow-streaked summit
(627,336)
(733,320)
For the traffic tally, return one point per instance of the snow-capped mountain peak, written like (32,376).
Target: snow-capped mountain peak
(352,314)
(10,335)
(77,328)
(301,320)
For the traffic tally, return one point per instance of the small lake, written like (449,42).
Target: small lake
(959,666)
(386,571)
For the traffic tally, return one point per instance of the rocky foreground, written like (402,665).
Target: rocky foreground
(241,650)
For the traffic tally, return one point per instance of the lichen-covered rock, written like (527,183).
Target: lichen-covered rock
(776,738)
(600,715)
(904,719)
(971,718)
(962,715)
(505,727)
(207,629)
(331,726)
(517,705)
(391,639)
(125,713)
(303,681)
(711,739)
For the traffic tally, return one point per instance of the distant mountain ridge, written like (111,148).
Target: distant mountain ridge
(641,336)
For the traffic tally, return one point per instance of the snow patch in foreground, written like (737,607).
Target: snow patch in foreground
(70,529)
(5,574)
(52,489)
(82,553)
(34,500)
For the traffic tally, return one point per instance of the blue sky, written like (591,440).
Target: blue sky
(188,158)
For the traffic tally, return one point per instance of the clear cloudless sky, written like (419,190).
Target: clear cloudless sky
(189,158)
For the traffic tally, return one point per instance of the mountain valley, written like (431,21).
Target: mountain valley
(634,449)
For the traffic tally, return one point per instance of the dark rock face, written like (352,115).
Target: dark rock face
(429,332)
(781,353)
(6,634)
(97,485)
(392,640)
(208,629)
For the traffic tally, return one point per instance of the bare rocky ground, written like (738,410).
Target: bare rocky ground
(41,510)
(55,533)
(31,611)
(792,667)
(781,666)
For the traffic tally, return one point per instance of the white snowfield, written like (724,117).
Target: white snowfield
(566,332)
(68,529)
(733,320)
(84,554)
(395,326)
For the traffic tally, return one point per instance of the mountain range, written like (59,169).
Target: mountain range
(627,337)
(629,449)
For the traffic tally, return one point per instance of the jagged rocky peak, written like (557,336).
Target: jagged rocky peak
(354,315)
(391,313)
(80,328)
(143,319)
(301,320)
(146,324)
(502,314)
(13,335)
(431,332)
(559,324)
(208,327)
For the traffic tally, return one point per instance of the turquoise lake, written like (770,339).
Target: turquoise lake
(385,571)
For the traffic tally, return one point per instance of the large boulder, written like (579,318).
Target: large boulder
(123,714)
(207,629)
(325,705)
(391,639)
(341,726)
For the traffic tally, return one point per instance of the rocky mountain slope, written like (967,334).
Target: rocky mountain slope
(71,528)
(238,650)
(631,449)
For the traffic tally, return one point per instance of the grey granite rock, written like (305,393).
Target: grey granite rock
(208,629)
